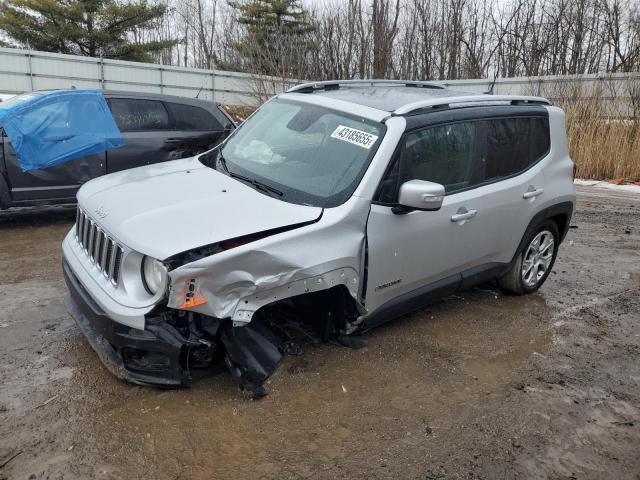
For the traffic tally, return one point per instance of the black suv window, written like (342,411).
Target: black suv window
(512,146)
(188,117)
(507,147)
(442,154)
(540,138)
(133,114)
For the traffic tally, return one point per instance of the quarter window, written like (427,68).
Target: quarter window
(133,114)
(541,140)
(188,117)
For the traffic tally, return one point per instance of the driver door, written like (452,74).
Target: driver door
(412,253)
(58,182)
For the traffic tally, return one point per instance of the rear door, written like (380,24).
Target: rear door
(512,184)
(156,131)
(145,128)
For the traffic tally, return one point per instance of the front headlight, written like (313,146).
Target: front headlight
(154,274)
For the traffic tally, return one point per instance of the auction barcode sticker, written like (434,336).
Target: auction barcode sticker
(357,137)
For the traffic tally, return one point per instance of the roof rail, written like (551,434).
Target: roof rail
(335,84)
(436,103)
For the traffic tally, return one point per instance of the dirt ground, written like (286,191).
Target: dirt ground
(481,385)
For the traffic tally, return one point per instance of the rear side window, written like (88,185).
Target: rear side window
(507,147)
(188,117)
(442,154)
(132,114)
(512,145)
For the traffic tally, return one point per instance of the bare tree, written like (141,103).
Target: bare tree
(622,34)
(384,24)
(421,39)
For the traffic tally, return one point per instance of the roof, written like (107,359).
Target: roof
(158,96)
(387,98)
(126,93)
(385,95)
(402,97)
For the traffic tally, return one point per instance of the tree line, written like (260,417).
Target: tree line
(412,39)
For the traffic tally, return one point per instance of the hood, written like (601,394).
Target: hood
(164,209)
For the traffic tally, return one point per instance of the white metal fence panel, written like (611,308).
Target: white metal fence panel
(26,70)
(607,86)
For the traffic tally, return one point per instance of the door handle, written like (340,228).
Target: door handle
(463,214)
(533,192)
(182,139)
(59,138)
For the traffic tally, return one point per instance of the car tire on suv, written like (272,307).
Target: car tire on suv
(533,263)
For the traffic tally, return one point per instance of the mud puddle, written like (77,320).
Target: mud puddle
(322,407)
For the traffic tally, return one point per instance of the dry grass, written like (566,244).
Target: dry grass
(238,113)
(603,146)
(604,134)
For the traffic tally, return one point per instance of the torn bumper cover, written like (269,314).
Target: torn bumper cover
(162,354)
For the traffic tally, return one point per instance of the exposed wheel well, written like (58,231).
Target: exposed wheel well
(327,312)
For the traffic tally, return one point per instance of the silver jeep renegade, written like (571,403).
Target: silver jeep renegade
(335,207)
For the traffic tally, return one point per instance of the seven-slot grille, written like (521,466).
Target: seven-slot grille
(101,249)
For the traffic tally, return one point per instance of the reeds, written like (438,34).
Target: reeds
(238,113)
(603,126)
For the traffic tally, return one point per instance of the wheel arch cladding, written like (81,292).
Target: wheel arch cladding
(559,213)
(562,222)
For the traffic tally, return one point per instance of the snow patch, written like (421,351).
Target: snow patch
(608,186)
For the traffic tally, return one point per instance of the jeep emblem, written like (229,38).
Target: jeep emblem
(101,212)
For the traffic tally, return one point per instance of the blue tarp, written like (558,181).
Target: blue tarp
(53,127)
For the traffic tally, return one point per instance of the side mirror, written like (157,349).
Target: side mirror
(419,195)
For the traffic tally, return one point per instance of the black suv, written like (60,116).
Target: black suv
(155,128)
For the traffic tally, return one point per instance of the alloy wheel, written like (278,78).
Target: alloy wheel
(537,258)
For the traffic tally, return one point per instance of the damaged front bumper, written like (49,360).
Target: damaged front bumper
(172,343)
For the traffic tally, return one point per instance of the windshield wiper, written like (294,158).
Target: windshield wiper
(257,184)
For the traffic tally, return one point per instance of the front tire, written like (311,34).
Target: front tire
(534,262)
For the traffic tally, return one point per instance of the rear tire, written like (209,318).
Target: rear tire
(534,261)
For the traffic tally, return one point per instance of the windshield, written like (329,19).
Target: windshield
(308,154)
